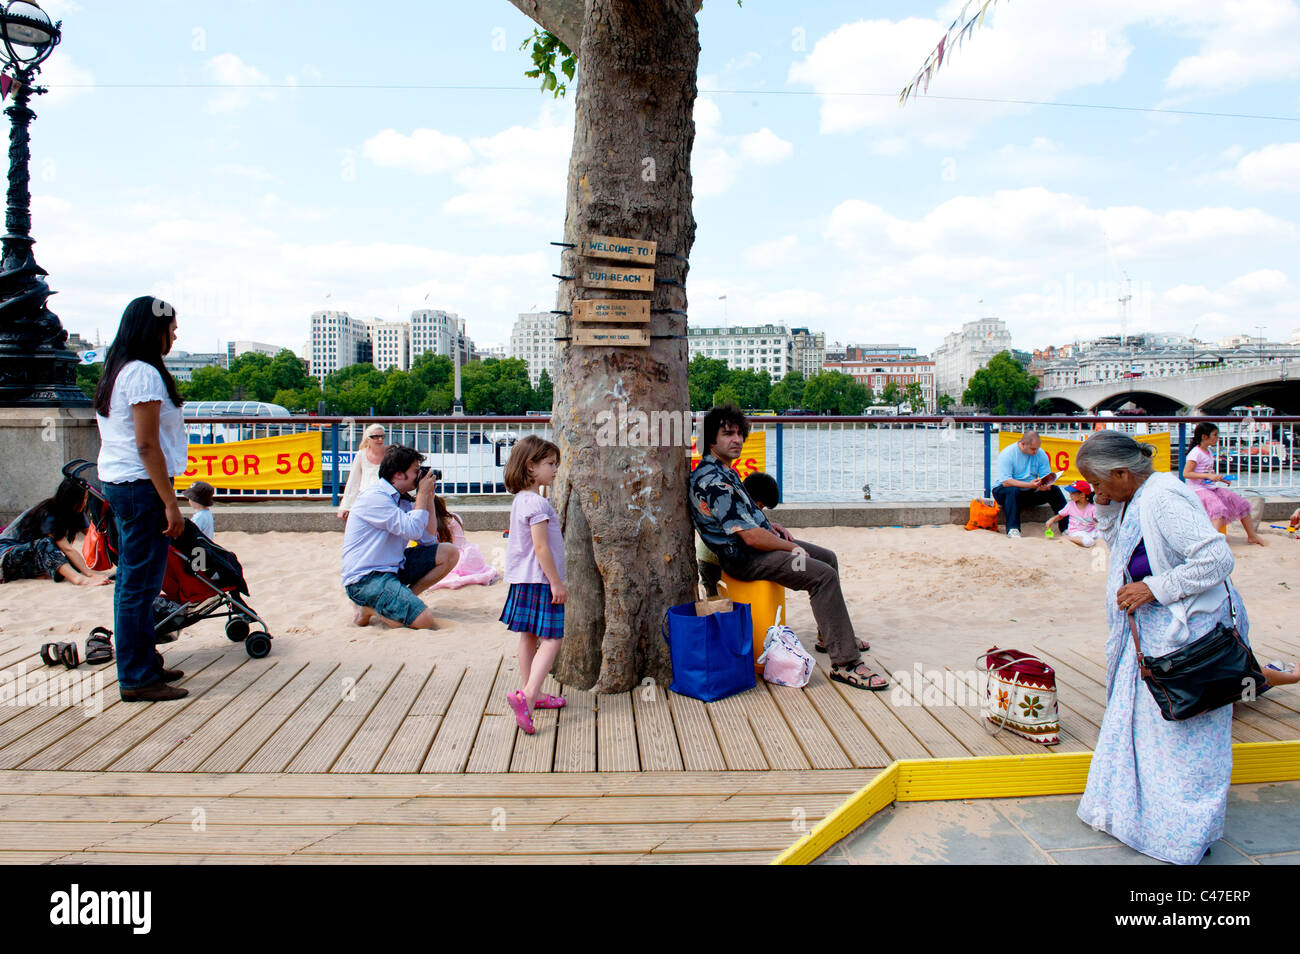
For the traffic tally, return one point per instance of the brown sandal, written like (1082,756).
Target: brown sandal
(858,679)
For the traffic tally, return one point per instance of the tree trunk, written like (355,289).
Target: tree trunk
(628,545)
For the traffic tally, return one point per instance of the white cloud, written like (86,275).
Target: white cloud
(65,79)
(425,151)
(229,70)
(765,147)
(1243,41)
(775,253)
(717,160)
(1273,167)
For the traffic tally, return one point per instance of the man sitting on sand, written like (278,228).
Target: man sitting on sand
(750,547)
(382,576)
(1024,478)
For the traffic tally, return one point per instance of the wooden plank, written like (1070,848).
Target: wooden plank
(815,738)
(536,752)
(328,742)
(593,335)
(1089,667)
(28,690)
(414,736)
(882,721)
(596,275)
(252,839)
(189,755)
(735,737)
(695,738)
(123,724)
(451,747)
(1067,694)
(493,745)
(64,836)
(656,738)
(964,718)
(575,735)
(780,747)
(363,753)
(231,755)
(853,737)
(611,310)
(616,749)
(147,752)
(285,742)
(938,741)
(619,249)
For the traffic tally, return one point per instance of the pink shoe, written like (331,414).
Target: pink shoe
(549,701)
(519,703)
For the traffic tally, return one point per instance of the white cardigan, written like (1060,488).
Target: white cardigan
(361,476)
(1190,560)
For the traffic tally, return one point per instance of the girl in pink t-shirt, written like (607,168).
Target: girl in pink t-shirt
(535,571)
(1222,506)
(1082,529)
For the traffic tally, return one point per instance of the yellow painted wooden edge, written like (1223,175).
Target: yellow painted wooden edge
(1005,776)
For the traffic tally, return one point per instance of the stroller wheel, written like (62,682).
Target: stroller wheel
(257,645)
(237,630)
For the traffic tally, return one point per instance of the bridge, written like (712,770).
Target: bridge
(1200,392)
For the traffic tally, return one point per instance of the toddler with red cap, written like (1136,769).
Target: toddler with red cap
(1082,528)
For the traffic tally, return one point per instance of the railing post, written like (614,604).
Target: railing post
(780,464)
(988,459)
(334,468)
(1182,449)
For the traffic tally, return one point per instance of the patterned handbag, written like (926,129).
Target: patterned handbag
(1021,696)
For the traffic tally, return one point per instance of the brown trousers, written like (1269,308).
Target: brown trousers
(819,574)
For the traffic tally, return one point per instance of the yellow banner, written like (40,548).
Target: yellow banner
(752,459)
(1061,452)
(267,463)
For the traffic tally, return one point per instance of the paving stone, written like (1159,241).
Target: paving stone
(1265,818)
(941,833)
(1052,822)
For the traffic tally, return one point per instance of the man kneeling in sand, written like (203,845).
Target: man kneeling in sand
(383,576)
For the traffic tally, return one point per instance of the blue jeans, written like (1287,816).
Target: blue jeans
(141,561)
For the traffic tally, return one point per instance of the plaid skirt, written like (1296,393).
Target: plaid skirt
(529,609)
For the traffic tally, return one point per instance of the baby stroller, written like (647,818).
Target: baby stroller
(202,580)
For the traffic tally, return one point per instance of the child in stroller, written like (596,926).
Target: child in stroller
(202,580)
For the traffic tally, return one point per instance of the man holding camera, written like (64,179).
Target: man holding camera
(381,574)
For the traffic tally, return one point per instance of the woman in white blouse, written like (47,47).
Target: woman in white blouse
(142,447)
(365,467)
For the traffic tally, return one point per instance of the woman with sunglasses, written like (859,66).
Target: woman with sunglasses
(365,467)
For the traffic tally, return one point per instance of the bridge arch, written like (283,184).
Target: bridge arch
(1151,401)
(1283,394)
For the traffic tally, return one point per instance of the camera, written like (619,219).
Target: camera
(425,471)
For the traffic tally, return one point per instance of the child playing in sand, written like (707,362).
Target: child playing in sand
(200,494)
(535,571)
(1082,528)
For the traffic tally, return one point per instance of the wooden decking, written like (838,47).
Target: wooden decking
(326,761)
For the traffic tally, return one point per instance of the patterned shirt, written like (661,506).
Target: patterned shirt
(720,507)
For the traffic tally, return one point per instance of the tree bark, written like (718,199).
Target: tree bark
(629,547)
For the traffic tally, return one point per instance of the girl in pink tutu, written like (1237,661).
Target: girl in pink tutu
(470,569)
(1221,504)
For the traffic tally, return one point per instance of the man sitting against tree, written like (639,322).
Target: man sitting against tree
(1024,478)
(750,547)
(382,575)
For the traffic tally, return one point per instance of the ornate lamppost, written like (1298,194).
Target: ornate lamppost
(36,369)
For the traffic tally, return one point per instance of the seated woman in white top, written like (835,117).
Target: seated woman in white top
(365,467)
(142,447)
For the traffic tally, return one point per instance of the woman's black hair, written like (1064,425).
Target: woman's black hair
(722,414)
(1203,430)
(145,323)
(65,507)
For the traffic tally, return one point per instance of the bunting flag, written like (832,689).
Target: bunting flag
(6,83)
(964,27)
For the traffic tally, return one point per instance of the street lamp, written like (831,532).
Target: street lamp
(36,369)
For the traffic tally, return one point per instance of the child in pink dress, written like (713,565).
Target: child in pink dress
(1221,504)
(470,569)
(1082,529)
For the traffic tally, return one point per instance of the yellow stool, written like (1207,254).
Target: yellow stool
(764,598)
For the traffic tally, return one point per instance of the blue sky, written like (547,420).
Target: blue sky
(191,150)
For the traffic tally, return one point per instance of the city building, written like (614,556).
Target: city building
(441,333)
(235,348)
(876,373)
(767,348)
(533,340)
(496,351)
(808,351)
(1156,355)
(965,352)
(870,352)
(182,364)
(337,341)
(390,344)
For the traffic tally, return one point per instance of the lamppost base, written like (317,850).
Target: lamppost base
(39,377)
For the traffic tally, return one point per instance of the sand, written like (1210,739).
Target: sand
(937,596)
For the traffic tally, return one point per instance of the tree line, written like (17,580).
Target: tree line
(713,382)
(492,386)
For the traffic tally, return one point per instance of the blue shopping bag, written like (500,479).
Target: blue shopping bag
(713,656)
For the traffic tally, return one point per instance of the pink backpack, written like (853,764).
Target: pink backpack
(785,662)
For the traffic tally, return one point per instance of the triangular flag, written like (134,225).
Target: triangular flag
(984,10)
(941,43)
(6,81)
(927,79)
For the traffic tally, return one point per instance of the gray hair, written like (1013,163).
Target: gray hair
(1113,450)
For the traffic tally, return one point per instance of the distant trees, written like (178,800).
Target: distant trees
(1001,387)
(835,392)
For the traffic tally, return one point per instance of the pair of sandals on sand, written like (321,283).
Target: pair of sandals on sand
(519,706)
(99,650)
(858,675)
